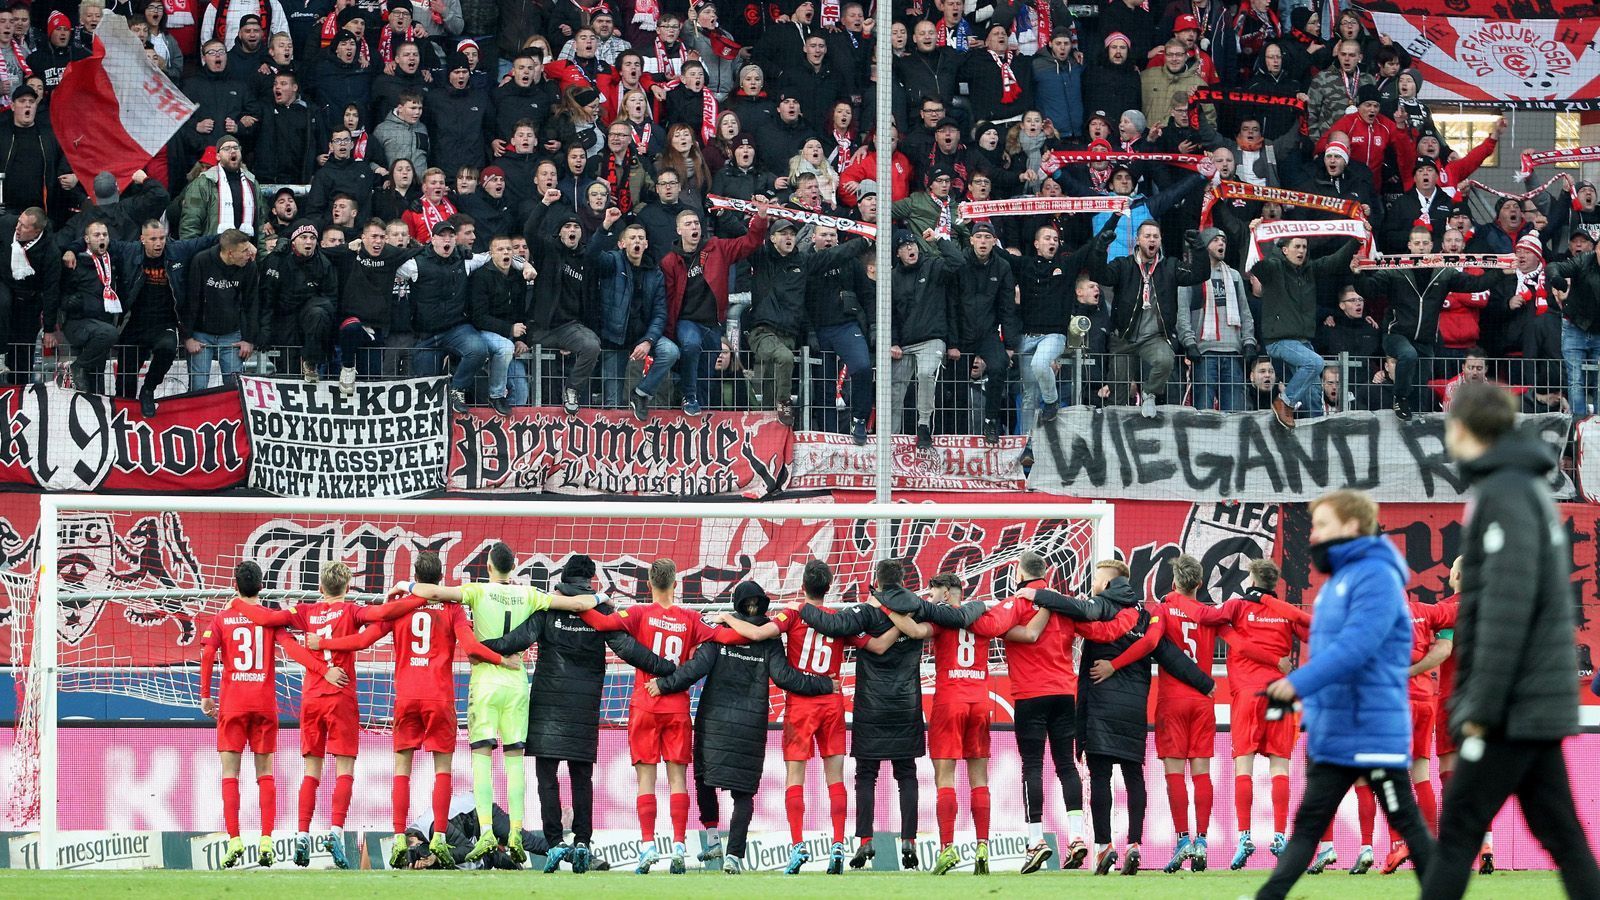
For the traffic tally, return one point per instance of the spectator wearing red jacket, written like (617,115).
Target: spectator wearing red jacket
(866,169)
(1372,136)
(696,273)
(1453,172)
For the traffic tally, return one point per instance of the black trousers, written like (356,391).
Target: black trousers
(1052,719)
(581,774)
(905,776)
(1326,786)
(1536,773)
(1100,767)
(744,809)
(159,344)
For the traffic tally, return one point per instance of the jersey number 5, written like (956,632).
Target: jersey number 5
(1188,641)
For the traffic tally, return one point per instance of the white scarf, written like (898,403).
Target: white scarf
(20,267)
(225,211)
(1210,327)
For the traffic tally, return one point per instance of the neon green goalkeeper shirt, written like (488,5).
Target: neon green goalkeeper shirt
(498,609)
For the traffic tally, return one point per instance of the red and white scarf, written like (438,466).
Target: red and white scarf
(1010,90)
(1216,96)
(1033,206)
(434,214)
(1529,195)
(1531,161)
(1045,31)
(803,216)
(708,115)
(1533,291)
(667,64)
(1439,261)
(386,41)
(1243,190)
(842,150)
(641,139)
(941,228)
(646,13)
(1267,232)
(1194,163)
(226,214)
(108,293)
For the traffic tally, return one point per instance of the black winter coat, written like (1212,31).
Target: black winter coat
(289,140)
(1416,296)
(730,724)
(1048,284)
(289,285)
(1111,89)
(1582,307)
(921,300)
(569,676)
(1125,278)
(1516,634)
(887,722)
(1113,715)
(985,299)
(932,74)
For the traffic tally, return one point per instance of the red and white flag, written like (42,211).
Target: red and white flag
(112,111)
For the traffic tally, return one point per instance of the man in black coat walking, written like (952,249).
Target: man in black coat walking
(564,705)
(1516,688)
(730,725)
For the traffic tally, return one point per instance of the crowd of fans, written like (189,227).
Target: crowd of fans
(371,189)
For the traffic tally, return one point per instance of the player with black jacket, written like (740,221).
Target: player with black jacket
(564,705)
(888,723)
(730,725)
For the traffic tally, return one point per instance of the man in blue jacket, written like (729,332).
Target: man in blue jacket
(1354,687)
(633,310)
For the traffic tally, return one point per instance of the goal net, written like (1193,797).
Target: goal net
(134,583)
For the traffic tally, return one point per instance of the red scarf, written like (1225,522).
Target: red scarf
(641,142)
(435,213)
(1044,29)
(1534,293)
(589,12)
(386,41)
(708,115)
(359,151)
(108,293)
(616,176)
(841,155)
(1010,90)
(667,66)
(222,18)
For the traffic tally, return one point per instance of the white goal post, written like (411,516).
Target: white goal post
(45,671)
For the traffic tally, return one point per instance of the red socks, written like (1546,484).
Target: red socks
(945,808)
(1280,803)
(836,807)
(646,804)
(678,805)
(980,812)
(400,797)
(343,787)
(308,801)
(1202,803)
(794,802)
(1429,804)
(1366,811)
(1243,799)
(267,787)
(230,805)
(441,802)
(1178,801)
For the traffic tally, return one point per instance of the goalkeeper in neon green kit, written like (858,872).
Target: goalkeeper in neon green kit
(497,697)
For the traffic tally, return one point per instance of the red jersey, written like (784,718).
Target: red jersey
(672,633)
(813,652)
(249,658)
(334,619)
(424,650)
(1427,620)
(1192,625)
(961,658)
(1264,630)
(1045,668)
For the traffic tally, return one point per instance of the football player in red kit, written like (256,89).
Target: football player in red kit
(247,711)
(1443,742)
(1433,636)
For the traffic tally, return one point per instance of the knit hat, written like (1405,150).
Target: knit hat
(57,19)
(983,128)
(492,171)
(1368,93)
(464,43)
(347,15)
(867,188)
(1118,36)
(579,567)
(229,139)
(1531,243)
(902,237)
(1100,146)
(457,60)
(586,96)
(346,37)
(1339,149)
(303,226)
(1207,235)
(1137,118)
(393,5)
(743,140)
(1416,77)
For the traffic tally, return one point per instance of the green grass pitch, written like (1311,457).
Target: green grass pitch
(322,885)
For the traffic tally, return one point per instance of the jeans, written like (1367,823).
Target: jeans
(1578,347)
(219,347)
(464,341)
(663,356)
(1408,356)
(848,343)
(1305,373)
(1220,382)
(1039,353)
(695,341)
(501,349)
(924,360)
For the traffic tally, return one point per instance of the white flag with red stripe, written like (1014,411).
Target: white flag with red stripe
(112,111)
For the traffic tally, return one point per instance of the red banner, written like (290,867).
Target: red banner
(63,440)
(609,452)
(956,463)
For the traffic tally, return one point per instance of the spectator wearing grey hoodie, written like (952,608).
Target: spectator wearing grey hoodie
(1216,329)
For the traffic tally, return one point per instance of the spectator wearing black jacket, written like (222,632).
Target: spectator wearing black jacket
(920,325)
(999,81)
(35,170)
(887,723)
(1047,290)
(463,119)
(984,325)
(1515,699)
(289,135)
(55,52)
(31,296)
(528,96)
(558,313)
(814,82)
(564,705)
(299,293)
(779,138)
(1144,310)
(339,79)
(90,309)
(1113,699)
(1111,83)
(1579,278)
(367,269)
(1426,204)
(1349,329)
(224,104)
(497,307)
(928,71)
(731,721)
(220,308)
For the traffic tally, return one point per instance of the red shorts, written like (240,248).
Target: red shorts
(330,724)
(821,724)
(660,737)
(1423,711)
(1443,741)
(959,730)
(1186,729)
(257,729)
(425,724)
(1252,733)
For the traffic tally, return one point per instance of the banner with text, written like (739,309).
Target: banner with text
(610,452)
(387,439)
(956,463)
(1497,61)
(1117,453)
(59,439)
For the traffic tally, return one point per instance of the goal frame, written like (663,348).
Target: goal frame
(52,506)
